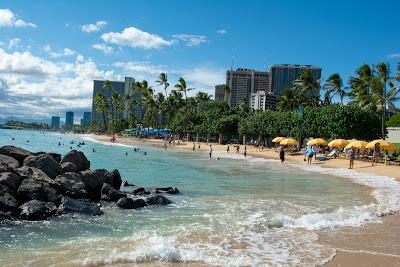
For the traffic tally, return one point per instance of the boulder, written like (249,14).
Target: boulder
(167,190)
(5,168)
(127,184)
(109,193)
(94,180)
(69,205)
(9,161)
(55,156)
(37,210)
(15,152)
(78,158)
(31,189)
(11,180)
(140,191)
(69,167)
(26,172)
(44,162)
(129,203)
(5,218)
(71,184)
(158,200)
(114,179)
(8,203)
(5,189)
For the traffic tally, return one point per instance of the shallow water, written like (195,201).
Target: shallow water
(231,212)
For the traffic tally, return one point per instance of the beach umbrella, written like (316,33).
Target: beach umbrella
(338,143)
(382,143)
(357,144)
(289,141)
(317,142)
(278,139)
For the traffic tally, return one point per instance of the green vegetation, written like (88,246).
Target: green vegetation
(394,121)
(33,125)
(359,113)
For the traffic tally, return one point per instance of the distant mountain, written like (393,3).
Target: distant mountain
(25,120)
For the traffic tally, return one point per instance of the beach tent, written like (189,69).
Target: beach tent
(357,144)
(317,142)
(382,143)
(338,143)
(289,141)
(278,139)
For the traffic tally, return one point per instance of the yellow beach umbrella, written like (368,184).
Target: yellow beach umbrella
(278,139)
(289,141)
(338,143)
(357,144)
(382,143)
(317,142)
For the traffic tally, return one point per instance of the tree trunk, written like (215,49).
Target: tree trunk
(244,139)
(220,138)
(208,138)
(187,137)
(197,137)
(383,109)
(179,136)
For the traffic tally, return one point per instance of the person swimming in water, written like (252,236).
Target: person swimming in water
(94,150)
(145,154)
(126,153)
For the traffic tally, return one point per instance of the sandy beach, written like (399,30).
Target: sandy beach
(368,245)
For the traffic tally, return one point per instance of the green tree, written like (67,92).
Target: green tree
(334,86)
(394,121)
(102,106)
(163,80)
(289,101)
(181,87)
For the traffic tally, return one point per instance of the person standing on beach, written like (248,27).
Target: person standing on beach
(210,151)
(194,146)
(227,149)
(245,151)
(352,157)
(282,154)
(310,154)
(376,154)
(237,149)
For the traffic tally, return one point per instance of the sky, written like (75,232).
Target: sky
(50,51)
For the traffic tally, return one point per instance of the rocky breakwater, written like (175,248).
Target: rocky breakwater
(37,186)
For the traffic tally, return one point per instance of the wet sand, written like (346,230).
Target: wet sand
(375,244)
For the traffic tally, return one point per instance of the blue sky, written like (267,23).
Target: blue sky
(50,51)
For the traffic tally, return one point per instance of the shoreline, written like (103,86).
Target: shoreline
(349,252)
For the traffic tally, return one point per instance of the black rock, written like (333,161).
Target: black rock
(94,180)
(15,152)
(109,193)
(26,172)
(31,189)
(127,184)
(44,162)
(168,190)
(71,185)
(78,158)
(114,179)
(129,203)
(158,200)
(9,161)
(70,205)
(8,203)
(140,191)
(6,218)
(37,210)
(69,167)
(56,156)
(11,180)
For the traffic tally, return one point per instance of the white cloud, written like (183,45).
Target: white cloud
(36,86)
(65,52)
(394,55)
(9,19)
(98,26)
(135,38)
(104,48)
(204,78)
(13,43)
(221,31)
(191,39)
(136,67)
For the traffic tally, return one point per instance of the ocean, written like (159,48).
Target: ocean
(234,211)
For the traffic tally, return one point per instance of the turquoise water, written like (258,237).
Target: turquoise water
(231,212)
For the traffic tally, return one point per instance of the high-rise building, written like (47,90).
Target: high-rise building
(263,100)
(123,88)
(283,75)
(55,122)
(243,82)
(219,92)
(69,119)
(87,118)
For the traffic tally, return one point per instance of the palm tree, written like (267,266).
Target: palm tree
(131,108)
(181,86)
(289,101)
(163,80)
(308,89)
(334,86)
(108,87)
(202,97)
(227,91)
(102,106)
(362,86)
(384,76)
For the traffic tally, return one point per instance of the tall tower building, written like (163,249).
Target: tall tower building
(243,82)
(55,122)
(69,120)
(219,94)
(283,75)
